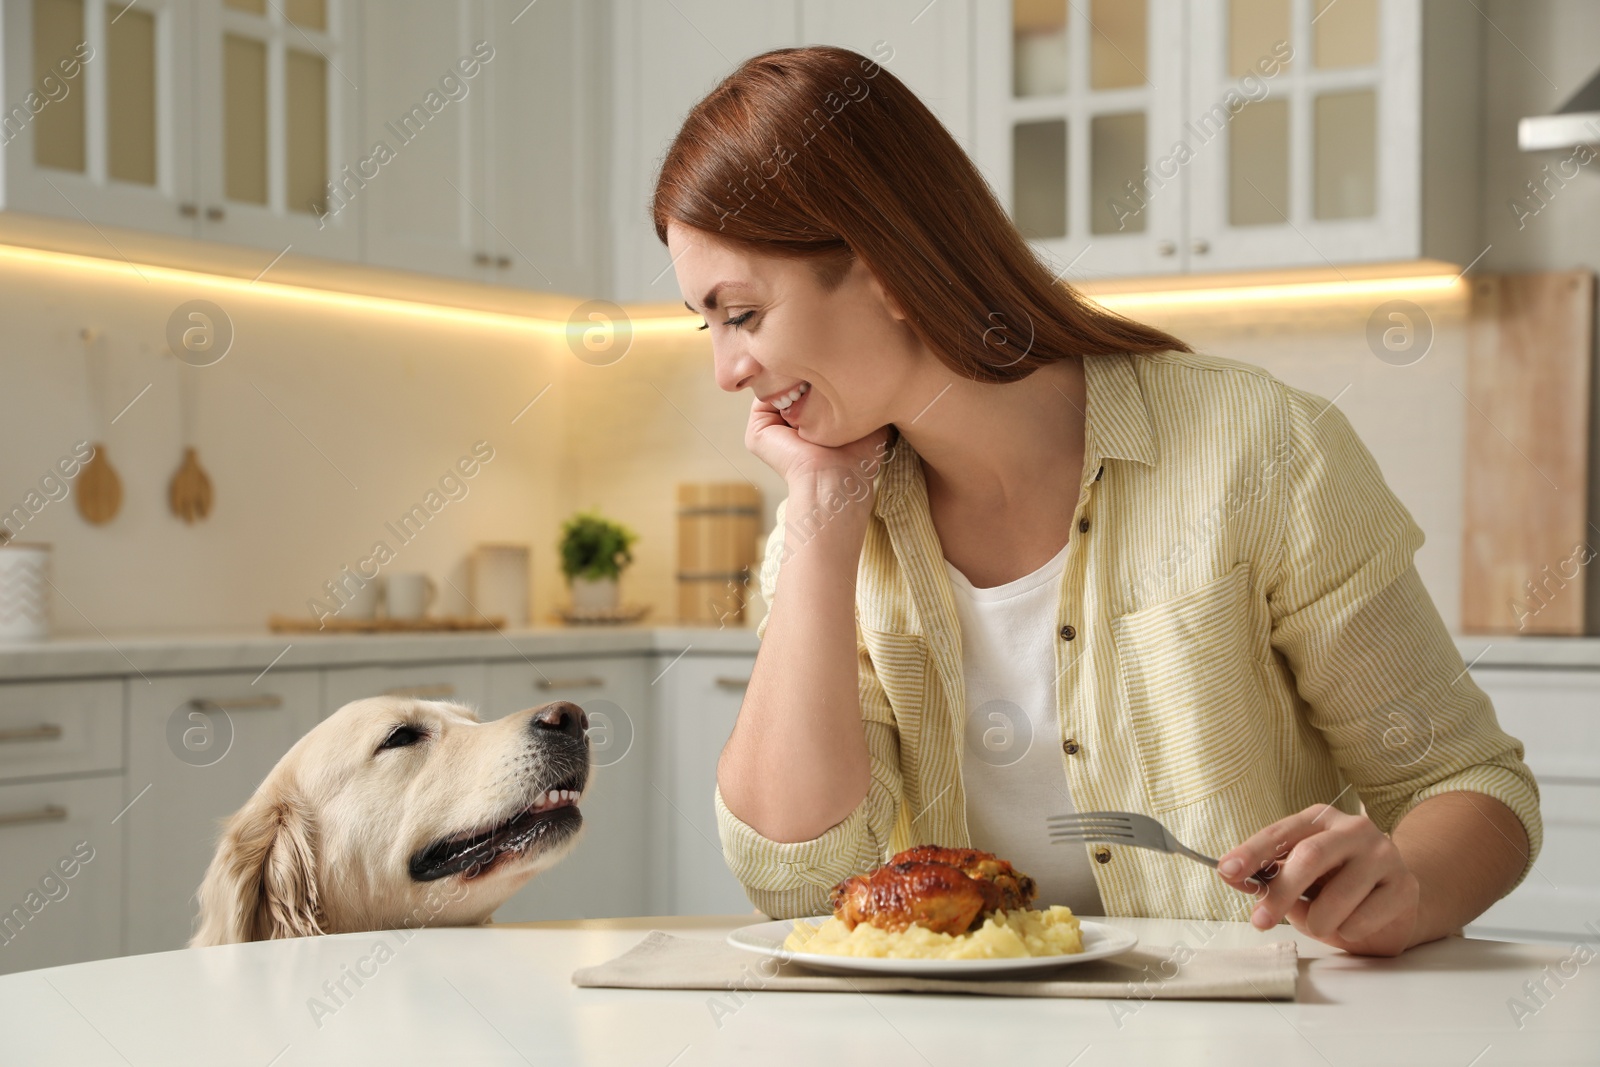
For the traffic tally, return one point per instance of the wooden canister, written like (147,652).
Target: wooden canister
(718,523)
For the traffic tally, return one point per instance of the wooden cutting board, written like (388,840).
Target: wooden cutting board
(1530,366)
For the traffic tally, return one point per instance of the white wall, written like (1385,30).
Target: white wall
(318,427)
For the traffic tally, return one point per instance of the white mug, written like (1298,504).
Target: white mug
(361,602)
(409,594)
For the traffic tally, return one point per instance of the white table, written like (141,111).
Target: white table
(501,994)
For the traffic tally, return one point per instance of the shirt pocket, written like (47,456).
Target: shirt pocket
(1194,693)
(901,663)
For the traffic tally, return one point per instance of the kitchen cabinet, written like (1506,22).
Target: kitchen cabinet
(277,105)
(216,119)
(458,138)
(99,122)
(50,728)
(478,139)
(61,881)
(198,746)
(609,870)
(1556,715)
(665,57)
(543,157)
(698,704)
(60,794)
(462,682)
(1135,137)
(425,206)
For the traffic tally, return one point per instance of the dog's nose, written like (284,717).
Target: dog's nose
(562,715)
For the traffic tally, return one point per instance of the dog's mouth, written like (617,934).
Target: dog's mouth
(549,820)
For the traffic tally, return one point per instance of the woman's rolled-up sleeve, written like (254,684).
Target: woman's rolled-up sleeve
(785,879)
(1380,675)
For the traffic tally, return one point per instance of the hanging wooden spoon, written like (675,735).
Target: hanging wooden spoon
(99,488)
(189,493)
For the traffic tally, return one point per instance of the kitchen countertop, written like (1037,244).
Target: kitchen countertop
(502,994)
(184,653)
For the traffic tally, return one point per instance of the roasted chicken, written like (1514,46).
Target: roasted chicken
(947,890)
(1017,890)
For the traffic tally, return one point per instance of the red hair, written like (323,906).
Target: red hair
(820,153)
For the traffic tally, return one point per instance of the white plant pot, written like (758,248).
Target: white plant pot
(594,594)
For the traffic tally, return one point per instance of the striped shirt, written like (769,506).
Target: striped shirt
(1242,634)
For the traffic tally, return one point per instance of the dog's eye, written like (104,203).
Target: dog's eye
(401,736)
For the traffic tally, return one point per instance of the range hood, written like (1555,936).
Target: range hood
(1577,122)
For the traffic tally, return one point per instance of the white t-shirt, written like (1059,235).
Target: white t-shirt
(1012,766)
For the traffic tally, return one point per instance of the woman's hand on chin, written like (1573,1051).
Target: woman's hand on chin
(779,446)
(1367,898)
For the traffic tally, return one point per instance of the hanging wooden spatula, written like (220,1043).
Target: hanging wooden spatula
(189,493)
(99,488)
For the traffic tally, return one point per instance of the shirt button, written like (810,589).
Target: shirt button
(1068,633)
(1102,854)
(1083,526)
(1070,747)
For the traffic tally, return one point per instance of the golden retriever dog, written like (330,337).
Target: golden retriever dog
(398,812)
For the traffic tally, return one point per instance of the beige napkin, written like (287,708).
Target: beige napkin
(662,961)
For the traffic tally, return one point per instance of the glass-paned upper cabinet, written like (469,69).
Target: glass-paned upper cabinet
(1131,137)
(222,119)
(275,169)
(96,111)
(1076,107)
(1308,115)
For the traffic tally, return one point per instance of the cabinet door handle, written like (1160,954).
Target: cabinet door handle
(422,692)
(188,211)
(45,731)
(502,262)
(483,259)
(728,682)
(568,683)
(48,813)
(1200,247)
(262,702)
(215,213)
(1167,248)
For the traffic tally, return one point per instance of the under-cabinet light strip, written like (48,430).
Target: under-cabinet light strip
(127,270)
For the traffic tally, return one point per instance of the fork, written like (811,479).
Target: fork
(1141,831)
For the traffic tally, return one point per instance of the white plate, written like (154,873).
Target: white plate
(1099,941)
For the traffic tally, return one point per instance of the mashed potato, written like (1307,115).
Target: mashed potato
(1010,934)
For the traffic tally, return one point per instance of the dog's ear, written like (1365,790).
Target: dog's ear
(262,882)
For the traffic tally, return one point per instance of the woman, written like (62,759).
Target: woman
(1038,558)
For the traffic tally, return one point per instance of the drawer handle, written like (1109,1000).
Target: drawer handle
(45,731)
(264,701)
(568,683)
(48,813)
(727,682)
(422,692)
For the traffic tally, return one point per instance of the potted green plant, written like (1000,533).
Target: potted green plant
(594,550)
